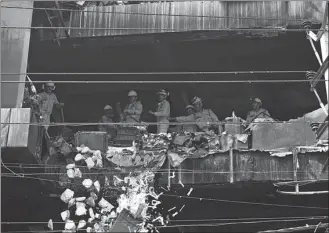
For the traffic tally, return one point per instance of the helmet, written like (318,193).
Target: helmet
(132,93)
(50,84)
(162,92)
(257,100)
(196,100)
(108,107)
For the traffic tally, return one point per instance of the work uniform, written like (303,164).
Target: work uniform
(261,113)
(162,114)
(205,118)
(133,112)
(109,129)
(187,127)
(47,102)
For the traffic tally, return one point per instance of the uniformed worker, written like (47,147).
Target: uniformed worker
(110,129)
(133,110)
(257,111)
(162,112)
(205,118)
(47,101)
(189,126)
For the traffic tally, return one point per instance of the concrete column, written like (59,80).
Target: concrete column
(14,50)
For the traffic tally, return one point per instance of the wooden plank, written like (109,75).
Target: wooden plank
(5,119)
(19,133)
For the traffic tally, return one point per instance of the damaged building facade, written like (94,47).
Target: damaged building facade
(223,52)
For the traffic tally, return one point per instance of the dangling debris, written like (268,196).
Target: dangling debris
(77,173)
(82,224)
(70,225)
(70,166)
(50,224)
(70,173)
(97,185)
(81,209)
(65,215)
(189,192)
(80,199)
(67,195)
(71,202)
(79,157)
(87,183)
(90,163)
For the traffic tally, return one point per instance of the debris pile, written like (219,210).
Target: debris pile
(94,202)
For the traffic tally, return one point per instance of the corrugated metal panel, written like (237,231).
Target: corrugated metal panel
(200,16)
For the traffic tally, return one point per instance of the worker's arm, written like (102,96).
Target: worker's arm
(56,102)
(214,118)
(137,111)
(164,111)
(189,118)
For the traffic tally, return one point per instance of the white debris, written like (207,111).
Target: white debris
(90,201)
(81,209)
(98,158)
(91,213)
(94,196)
(89,229)
(97,215)
(105,205)
(67,195)
(50,224)
(189,192)
(80,199)
(87,183)
(65,215)
(71,202)
(113,214)
(70,173)
(70,225)
(85,150)
(79,149)
(98,227)
(82,224)
(181,208)
(172,209)
(175,214)
(90,163)
(77,173)
(97,185)
(70,166)
(180,182)
(79,157)
(173,175)
(90,220)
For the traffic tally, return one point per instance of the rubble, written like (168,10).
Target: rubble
(67,195)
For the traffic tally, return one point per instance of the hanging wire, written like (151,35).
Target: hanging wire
(77,124)
(243,202)
(168,73)
(149,14)
(192,220)
(171,29)
(236,223)
(196,225)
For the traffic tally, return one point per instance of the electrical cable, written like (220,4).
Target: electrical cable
(244,202)
(235,223)
(193,220)
(168,29)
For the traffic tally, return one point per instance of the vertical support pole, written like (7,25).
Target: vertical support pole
(231,166)
(295,166)
(169,182)
(324,52)
(180,173)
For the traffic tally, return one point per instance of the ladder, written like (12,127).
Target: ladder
(55,19)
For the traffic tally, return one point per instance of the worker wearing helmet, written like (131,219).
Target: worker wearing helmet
(133,110)
(257,111)
(163,112)
(109,128)
(188,121)
(206,119)
(48,100)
